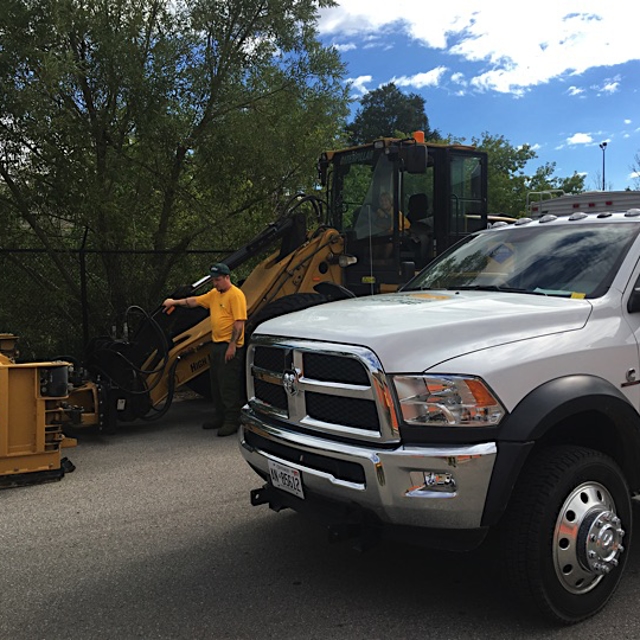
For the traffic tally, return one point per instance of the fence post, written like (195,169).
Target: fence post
(83,290)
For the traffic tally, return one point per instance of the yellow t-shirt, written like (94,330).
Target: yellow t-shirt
(384,222)
(224,308)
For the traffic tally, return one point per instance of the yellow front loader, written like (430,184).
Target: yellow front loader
(439,195)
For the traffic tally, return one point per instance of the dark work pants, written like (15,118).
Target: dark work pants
(227,383)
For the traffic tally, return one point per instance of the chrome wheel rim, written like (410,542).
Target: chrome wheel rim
(587,538)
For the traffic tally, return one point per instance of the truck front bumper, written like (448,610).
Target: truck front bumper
(436,487)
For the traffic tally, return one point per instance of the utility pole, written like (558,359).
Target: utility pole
(603,146)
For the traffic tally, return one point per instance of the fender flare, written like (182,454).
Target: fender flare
(561,398)
(535,416)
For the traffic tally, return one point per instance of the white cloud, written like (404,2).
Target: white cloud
(349,46)
(610,87)
(575,91)
(359,84)
(515,45)
(580,138)
(419,80)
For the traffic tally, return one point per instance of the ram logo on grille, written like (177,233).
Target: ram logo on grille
(290,382)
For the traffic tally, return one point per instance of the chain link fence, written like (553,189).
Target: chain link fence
(56,302)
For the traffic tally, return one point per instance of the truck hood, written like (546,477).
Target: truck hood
(415,331)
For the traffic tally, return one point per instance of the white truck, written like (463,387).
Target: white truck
(559,203)
(498,390)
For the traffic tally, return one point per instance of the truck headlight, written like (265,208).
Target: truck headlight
(447,401)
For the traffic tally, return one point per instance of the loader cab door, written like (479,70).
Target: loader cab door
(445,202)
(465,191)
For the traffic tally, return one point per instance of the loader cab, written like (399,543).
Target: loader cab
(437,195)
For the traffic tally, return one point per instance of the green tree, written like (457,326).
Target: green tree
(635,171)
(544,179)
(509,181)
(507,177)
(387,111)
(153,124)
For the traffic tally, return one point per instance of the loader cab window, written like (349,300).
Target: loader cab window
(349,180)
(368,220)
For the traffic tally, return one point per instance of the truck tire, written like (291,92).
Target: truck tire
(564,530)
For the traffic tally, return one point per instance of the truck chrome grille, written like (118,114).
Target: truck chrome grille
(320,387)
(352,412)
(271,394)
(269,358)
(334,369)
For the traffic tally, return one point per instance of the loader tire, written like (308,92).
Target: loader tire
(282,306)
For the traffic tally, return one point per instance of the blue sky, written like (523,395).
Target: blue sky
(560,75)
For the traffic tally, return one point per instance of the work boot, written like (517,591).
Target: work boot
(212,425)
(228,429)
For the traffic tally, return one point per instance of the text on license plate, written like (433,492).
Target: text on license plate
(286,478)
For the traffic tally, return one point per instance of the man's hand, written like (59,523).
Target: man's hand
(230,353)
(169,303)
(236,332)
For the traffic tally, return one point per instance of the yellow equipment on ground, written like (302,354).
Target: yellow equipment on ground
(33,411)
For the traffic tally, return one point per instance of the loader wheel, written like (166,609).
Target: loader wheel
(282,306)
(564,532)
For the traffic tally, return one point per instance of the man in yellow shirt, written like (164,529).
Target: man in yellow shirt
(228,311)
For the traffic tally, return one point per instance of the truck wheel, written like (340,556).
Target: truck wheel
(564,532)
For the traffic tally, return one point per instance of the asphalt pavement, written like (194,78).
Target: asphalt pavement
(153,536)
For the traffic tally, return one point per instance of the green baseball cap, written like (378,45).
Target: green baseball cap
(220,269)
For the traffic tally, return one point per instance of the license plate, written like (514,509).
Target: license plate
(286,478)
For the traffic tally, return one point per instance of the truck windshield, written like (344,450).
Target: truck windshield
(568,260)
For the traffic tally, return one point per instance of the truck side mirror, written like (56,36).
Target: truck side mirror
(633,304)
